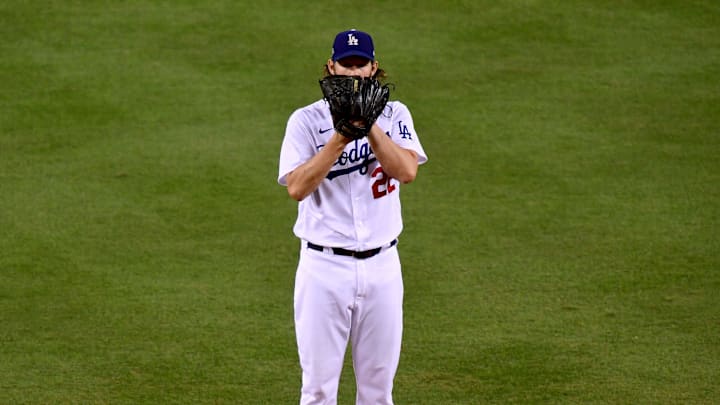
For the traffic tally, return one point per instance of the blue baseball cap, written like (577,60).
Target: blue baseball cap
(353,43)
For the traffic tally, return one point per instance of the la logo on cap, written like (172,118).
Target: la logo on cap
(352,40)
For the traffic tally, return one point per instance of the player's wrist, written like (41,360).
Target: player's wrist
(341,139)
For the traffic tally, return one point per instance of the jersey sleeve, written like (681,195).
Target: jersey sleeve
(403,132)
(296,148)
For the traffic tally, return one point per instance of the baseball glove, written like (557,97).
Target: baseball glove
(355,103)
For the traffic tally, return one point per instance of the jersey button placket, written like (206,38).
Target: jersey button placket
(359,212)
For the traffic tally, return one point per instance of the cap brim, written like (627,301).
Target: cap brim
(353,53)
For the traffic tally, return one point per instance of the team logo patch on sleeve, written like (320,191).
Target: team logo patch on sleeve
(404,132)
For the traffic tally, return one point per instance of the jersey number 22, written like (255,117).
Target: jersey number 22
(383,185)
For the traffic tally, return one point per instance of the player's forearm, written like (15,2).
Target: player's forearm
(307,177)
(399,163)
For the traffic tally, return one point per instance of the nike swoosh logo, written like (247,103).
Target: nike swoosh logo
(322,131)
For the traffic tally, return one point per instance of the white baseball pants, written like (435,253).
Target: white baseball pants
(341,298)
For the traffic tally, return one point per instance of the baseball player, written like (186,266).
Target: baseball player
(348,285)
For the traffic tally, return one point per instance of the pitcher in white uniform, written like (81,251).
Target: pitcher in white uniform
(348,285)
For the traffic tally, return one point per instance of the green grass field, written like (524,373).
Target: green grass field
(562,245)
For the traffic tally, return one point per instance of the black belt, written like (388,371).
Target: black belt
(363,254)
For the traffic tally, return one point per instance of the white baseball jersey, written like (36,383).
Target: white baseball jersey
(357,206)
